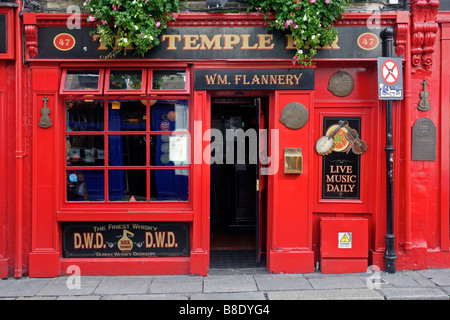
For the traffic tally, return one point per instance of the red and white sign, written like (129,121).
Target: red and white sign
(390,72)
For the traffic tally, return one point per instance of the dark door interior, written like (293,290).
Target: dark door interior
(235,232)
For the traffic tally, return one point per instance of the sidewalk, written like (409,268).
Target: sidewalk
(236,284)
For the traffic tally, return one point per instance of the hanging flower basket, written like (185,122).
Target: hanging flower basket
(311,23)
(133,24)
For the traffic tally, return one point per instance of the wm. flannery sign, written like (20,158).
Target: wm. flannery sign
(254,79)
(205,43)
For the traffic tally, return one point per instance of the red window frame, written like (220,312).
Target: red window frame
(104,210)
(99,90)
(107,90)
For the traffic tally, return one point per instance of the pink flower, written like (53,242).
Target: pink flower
(327,1)
(288,22)
(312,1)
(104,22)
(91,18)
(158,24)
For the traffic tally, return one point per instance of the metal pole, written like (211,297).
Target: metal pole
(387,36)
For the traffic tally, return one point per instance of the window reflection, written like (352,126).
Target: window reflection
(127,185)
(127,150)
(85,185)
(125,80)
(86,80)
(169,115)
(169,185)
(85,150)
(84,116)
(169,80)
(127,115)
(169,150)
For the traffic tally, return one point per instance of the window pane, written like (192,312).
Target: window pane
(169,150)
(125,80)
(169,185)
(169,115)
(82,80)
(84,150)
(85,185)
(169,80)
(127,185)
(84,116)
(127,115)
(127,150)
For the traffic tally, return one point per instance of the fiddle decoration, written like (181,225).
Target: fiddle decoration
(424,104)
(341,138)
(45,121)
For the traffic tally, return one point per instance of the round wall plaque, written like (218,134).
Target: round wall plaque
(294,115)
(341,84)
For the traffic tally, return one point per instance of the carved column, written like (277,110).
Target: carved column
(424,28)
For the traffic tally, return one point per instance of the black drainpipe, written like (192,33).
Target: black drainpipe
(387,36)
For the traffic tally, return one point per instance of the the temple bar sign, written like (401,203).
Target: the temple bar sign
(197,43)
(254,79)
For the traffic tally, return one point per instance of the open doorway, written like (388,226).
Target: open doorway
(237,230)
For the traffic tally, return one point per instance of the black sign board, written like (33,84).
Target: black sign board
(197,43)
(444,5)
(254,79)
(424,140)
(341,168)
(125,239)
(3,34)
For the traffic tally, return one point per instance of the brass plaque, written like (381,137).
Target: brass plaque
(293,160)
(294,115)
(424,140)
(341,84)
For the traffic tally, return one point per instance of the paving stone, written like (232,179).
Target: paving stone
(351,282)
(176,285)
(90,297)
(145,297)
(350,294)
(229,296)
(67,286)
(21,287)
(441,277)
(229,283)
(267,282)
(124,285)
(414,294)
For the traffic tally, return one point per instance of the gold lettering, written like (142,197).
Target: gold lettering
(273,79)
(101,45)
(210,79)
(265,41)
(297,78)
(171,43)
(237,78)
(245,41)
(290,42)
(289,79)
(333,46)
(245,80)
(222,79)
(265,79)
(206,43)
(190,42)
(230,40)
(281,79)
(255,79)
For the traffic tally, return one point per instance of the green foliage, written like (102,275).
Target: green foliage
(311,22)
(137,23)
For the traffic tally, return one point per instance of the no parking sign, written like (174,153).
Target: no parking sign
(390,79)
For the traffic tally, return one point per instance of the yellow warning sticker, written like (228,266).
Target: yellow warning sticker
(345,240)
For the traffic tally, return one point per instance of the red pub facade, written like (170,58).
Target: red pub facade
(131,165)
